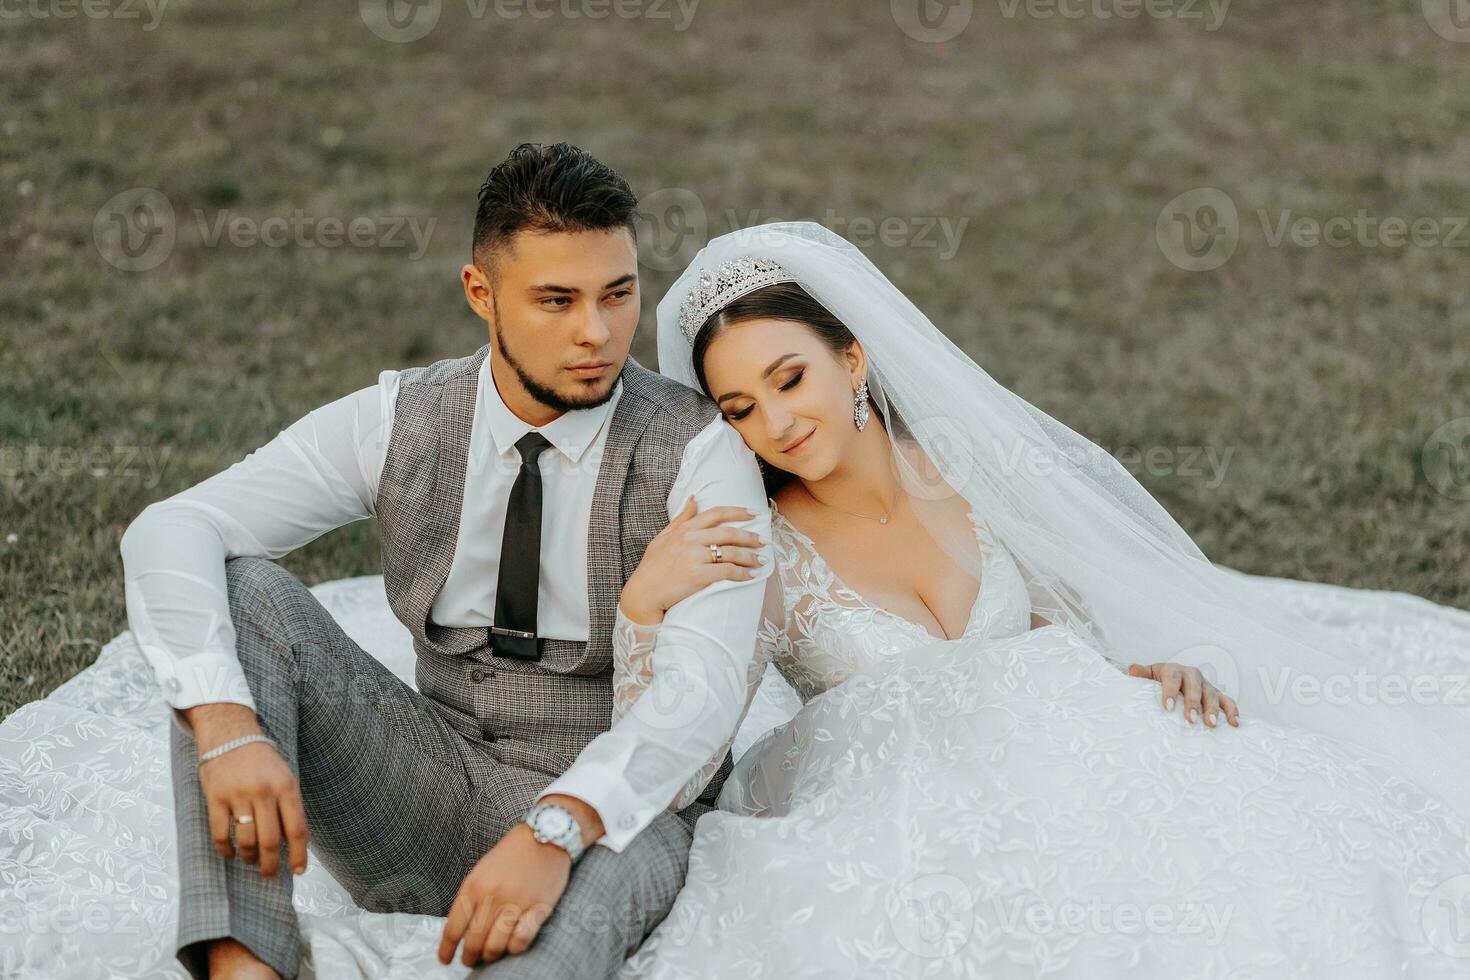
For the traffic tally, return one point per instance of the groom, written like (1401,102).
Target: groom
(515,490)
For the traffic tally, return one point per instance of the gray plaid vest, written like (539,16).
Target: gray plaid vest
(537,715)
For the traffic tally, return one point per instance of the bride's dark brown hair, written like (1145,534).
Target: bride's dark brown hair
(780,301)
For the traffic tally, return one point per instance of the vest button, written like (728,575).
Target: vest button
(477,675)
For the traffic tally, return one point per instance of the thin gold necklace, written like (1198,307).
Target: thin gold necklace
(881,520)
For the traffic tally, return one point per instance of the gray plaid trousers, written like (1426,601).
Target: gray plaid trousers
(400,804)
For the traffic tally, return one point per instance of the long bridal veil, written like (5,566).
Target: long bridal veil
(1102,557)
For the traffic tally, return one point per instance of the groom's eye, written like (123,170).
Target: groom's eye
(557,301)
(621,294)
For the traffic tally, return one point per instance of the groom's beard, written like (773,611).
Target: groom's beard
(549,397)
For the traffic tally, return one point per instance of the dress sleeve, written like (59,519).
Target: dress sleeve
(761,784)
(633,645)
(634,649)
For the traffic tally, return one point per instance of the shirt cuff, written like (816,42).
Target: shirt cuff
(623,814)
(202,678)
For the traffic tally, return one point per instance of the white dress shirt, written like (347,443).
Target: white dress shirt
(322,472)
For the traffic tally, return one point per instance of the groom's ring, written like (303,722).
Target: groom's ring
(244,818)
(714,553)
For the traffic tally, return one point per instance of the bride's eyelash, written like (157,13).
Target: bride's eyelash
(795,379)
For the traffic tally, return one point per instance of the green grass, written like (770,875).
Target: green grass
(1321,370)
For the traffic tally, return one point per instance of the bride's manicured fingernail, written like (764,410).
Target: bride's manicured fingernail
(761,558)
(1169,705)
(1211,717)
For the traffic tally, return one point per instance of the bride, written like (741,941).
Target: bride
(980,781)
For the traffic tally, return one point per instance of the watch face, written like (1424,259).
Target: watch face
(553,823)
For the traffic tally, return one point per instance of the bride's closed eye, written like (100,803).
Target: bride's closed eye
(795,380)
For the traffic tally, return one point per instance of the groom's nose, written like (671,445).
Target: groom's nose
(592,331)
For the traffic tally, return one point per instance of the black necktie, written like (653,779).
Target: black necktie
(514,632)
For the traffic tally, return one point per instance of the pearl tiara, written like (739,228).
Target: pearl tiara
(731,280)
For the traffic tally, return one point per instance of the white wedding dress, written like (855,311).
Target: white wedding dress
(1071,781)
(1010,804)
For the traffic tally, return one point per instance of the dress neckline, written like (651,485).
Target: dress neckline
(980,593)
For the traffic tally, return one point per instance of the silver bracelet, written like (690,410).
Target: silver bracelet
(233,744)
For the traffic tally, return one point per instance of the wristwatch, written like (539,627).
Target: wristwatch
(552,823)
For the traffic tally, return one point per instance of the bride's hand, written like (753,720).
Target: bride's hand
(678,561)
(1198,692)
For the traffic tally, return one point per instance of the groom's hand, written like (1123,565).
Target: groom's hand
(253,781)
(511,891)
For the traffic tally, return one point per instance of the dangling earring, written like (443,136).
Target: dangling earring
(860,406)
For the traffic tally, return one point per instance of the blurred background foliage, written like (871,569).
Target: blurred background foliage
(1305,382)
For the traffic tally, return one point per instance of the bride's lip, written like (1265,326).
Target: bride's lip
(799,443)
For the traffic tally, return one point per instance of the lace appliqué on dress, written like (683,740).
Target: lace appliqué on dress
(633,659)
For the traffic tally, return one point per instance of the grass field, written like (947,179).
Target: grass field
(1295,406)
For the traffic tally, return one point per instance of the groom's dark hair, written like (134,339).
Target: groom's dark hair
(557,188)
